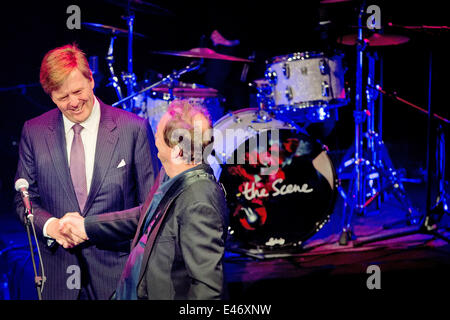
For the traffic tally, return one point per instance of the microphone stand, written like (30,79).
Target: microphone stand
(395,96)
(38,280)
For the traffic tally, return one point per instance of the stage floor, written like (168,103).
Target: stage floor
(414,264)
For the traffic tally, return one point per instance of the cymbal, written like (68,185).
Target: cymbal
(102,28)
(205,53)
(375,40)
(188,90)
(142,6)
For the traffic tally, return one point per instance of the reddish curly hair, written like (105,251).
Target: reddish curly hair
(58,63)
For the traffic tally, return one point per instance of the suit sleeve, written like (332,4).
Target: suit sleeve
(145,161)
(119,226)
(26,169)
(202,246)
(114,227)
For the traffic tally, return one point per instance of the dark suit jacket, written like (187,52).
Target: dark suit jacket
(185,261)
(43,163)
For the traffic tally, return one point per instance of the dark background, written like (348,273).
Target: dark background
(266,29)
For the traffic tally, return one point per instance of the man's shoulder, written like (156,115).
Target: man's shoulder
(122,115)
(202,190)
(203,194)
(44,119)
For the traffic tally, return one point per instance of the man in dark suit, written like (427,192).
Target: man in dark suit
(84,156)
(180,230)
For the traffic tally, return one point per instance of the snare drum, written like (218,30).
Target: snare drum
(280,183)
(306,85)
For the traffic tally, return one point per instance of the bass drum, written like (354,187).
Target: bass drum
(281,185)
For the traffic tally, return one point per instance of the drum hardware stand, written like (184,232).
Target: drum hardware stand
(441,199)
(440,156)
(262,100)
(262,114)
(375,172)
(171,78)
(378,154)
(129,78)
(355,202)
(441,202)
(428,224)
(378,174)
(113,80)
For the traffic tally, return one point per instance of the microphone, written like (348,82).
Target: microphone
(21,186)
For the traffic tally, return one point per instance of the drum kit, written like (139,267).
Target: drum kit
(281,185)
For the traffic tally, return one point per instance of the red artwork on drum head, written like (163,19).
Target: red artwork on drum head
(283,206)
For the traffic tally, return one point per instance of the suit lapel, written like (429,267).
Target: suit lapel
(107,138)
(56,143)
(146,205)
(162,209)
(154,233)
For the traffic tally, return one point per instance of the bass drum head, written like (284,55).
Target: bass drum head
(280,183)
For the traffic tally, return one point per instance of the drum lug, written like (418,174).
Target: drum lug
(286,71)
(288,93)
(304,71)
(237,120)
(252,130)
(323,67)
(325,89)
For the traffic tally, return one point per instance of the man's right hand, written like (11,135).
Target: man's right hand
(53,232)
(68,231)
(71,226)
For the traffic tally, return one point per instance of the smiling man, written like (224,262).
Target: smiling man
(75,98)
(83,156)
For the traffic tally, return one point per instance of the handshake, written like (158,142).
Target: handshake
(68,231)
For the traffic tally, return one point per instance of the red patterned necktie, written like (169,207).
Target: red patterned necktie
(78,167)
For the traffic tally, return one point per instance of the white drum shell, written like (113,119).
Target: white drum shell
(307,80)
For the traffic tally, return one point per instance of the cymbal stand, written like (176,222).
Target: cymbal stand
(354,200)
(129,78)
(378,176)
(113,80)
(373,138)
(373,173)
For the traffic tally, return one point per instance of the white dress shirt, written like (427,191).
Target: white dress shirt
(89,138)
